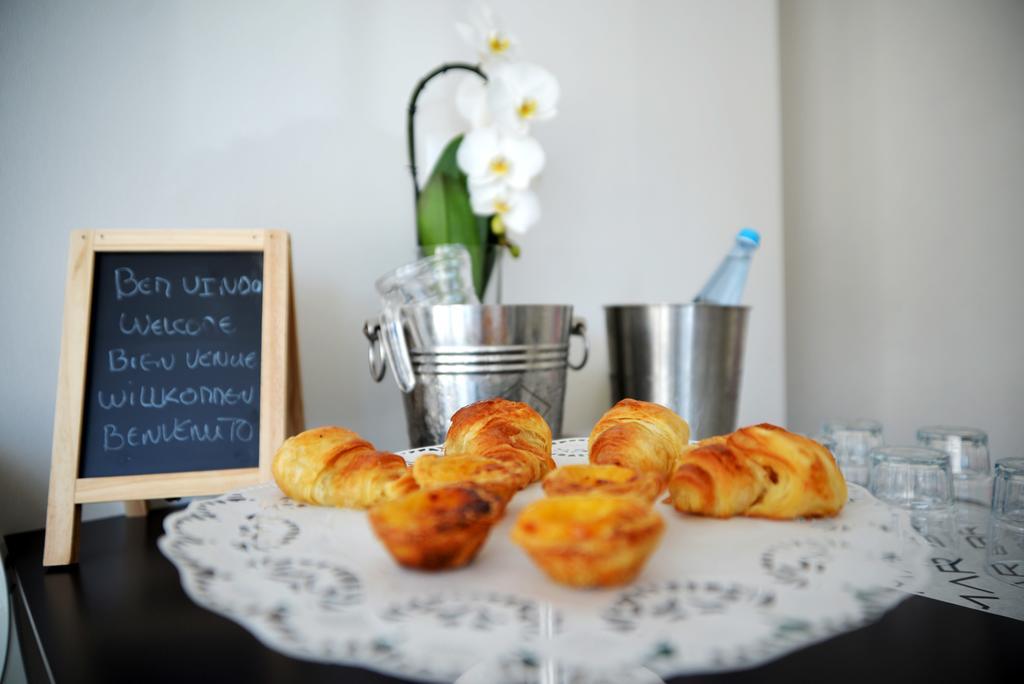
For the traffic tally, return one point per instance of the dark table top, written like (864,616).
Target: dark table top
(120,615)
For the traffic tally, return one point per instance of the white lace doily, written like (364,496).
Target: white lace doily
(314,583)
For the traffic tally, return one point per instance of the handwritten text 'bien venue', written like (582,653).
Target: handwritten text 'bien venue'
(127,285)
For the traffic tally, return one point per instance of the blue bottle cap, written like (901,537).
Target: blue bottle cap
(749,235)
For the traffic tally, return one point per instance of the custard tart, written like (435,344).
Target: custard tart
(603,479)
(441,528)
(589,540)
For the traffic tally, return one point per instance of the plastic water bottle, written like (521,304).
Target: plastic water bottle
(725,286)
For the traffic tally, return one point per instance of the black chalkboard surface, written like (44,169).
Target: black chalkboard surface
(173,366)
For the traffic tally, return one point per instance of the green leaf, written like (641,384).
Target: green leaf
(444,216)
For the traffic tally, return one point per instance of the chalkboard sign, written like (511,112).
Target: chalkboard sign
(178,372)
(173,379)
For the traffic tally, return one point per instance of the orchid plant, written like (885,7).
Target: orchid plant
(478,193)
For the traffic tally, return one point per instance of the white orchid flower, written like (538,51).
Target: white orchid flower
(515,210)
(471,101)
(520,93)
(485,34)
(489,157)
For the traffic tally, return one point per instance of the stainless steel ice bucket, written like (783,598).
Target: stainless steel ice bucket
(462,353)
(688,357)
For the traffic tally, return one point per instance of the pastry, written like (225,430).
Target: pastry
(710,479)
(332,466)
(436,529)
(603,479)
(589,540)
(639,435)
(505,430)
(760,471)
(501,477)
(803,478)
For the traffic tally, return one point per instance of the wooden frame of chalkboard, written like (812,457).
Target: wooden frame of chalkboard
(278,395)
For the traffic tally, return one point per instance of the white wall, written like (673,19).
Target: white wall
(268,114)
(904,205)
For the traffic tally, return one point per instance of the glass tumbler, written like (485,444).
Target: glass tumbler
(917,478)
(854,439)
(968,457)
(443,277)
(1004,549)
(920,480)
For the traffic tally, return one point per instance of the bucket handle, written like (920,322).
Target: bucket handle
(396,351)
(388,348)
(375,353)
(579,327)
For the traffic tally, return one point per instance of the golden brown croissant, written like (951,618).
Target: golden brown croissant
(760,471)
(711,480)
(639,435)
(332,466)
(502,429)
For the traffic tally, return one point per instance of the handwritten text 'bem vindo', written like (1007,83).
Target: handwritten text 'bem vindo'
(127,284)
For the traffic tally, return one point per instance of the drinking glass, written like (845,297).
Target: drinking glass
(920,480)
(443,277)
(1004,548)
(854,439)
(968,457)
(917,478)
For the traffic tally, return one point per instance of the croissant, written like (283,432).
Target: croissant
(760,471)
(332,466)
(711,480)
(639,435)
(504,430)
